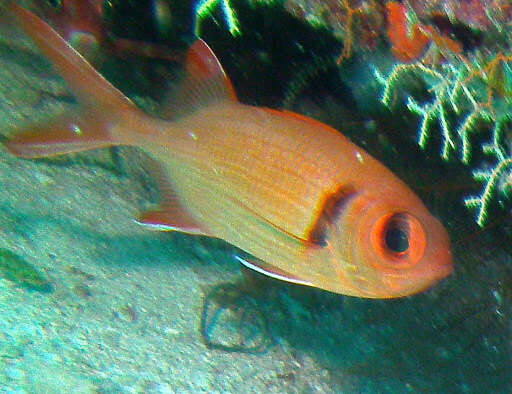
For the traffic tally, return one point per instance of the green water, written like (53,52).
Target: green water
(90,302)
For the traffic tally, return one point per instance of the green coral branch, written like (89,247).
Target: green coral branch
(467,93)
(490,179)
(204,9)
(466,128)
(429,113)
(449,93)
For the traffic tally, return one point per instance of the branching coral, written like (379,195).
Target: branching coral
(358,23)
(495,178)
(204,8)
(464,97)
(464,94)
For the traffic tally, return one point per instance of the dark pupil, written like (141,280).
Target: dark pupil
(54,3)
(396,240)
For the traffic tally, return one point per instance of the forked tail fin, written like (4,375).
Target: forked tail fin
(101,104)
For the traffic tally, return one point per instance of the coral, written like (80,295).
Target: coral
(409,42)
(204,9)
(410,39)
(358,23)
(500,173)
(457,84)
(477,14)
(464,97)
(348,42)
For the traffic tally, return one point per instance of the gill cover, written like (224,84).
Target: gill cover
(383,250)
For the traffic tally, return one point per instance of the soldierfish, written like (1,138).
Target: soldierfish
(308,205)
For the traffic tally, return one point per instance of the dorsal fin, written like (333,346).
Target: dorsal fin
(303,118)
(205,83)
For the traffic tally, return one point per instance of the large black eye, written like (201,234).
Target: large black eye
(397,240)
(54,3)
(397,233)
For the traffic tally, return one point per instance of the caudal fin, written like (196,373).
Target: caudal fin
(101,104)
(66,134)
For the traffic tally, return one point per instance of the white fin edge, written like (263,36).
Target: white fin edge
(271,274)
(163,227)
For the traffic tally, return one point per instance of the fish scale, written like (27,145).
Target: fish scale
(282,185)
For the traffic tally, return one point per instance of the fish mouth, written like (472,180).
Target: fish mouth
(445,264)
(445,270)
(403,284)
(437,274)
(440,271)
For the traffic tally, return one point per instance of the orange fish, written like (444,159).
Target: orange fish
(309,206)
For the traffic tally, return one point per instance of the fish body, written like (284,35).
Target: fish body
(305,203)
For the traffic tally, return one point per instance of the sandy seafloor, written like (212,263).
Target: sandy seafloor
(126,304)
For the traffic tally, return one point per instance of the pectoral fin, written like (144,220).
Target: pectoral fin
(171,218)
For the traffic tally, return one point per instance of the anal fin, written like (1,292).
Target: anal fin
(268,270)
(171,215)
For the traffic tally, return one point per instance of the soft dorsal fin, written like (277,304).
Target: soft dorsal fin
(205,83)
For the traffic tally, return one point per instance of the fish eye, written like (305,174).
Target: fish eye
(395,234)
(54,3)
(399,238)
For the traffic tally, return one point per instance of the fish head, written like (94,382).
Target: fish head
(387,247)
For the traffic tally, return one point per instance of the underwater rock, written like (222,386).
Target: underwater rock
(232,321)
(18,270)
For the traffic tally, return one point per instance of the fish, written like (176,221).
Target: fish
(299,201)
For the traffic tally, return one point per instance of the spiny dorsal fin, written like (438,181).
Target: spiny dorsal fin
(205,83)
